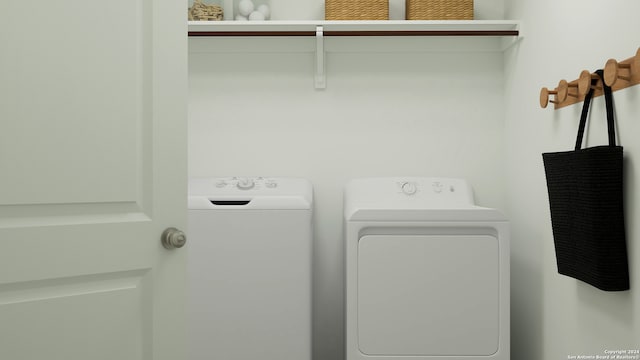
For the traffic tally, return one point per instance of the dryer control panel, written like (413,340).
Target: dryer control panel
(445,187)
(411,193)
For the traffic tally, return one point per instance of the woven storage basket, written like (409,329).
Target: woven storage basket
(356,9)
(439,9)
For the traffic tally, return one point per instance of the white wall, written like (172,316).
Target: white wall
(433,113)
(554,316)
(382,114)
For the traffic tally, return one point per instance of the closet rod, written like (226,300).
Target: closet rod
(618,75)
(362,33)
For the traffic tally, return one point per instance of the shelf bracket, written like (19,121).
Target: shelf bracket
(320,76)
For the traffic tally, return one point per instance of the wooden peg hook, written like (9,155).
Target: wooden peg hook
(563,89)
(584,82)
(612,69)
(544,97)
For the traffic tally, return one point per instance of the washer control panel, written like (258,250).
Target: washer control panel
(246,183)
(249,192)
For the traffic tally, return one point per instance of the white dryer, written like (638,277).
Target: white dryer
(427,272)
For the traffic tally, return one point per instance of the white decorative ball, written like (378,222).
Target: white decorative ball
(264,9)
(241,18)
(256,16)
(245,7)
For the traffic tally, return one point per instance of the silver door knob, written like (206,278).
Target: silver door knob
(173,238)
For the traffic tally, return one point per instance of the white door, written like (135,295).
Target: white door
(92,170)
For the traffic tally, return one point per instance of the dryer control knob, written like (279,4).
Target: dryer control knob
(245,184)
(409,188)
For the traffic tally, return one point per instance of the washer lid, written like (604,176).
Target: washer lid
(413,199)
(239,193)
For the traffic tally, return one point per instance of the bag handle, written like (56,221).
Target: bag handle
(585,110)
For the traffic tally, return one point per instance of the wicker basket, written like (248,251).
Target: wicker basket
(356,9)
(439,9)
(200,11)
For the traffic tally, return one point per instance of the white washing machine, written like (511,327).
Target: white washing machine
(427,272)
(249,267)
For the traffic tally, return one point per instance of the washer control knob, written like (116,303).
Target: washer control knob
(245,184)
(409,188)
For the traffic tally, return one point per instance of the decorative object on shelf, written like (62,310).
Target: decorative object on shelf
(245,7)
(265,11)
(252,11)
(439,9)
(200,11)
(617,75)
(356,9)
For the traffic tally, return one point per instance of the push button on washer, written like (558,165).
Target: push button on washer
(271,184)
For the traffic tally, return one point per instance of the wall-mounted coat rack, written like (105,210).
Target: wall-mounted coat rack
(618,75)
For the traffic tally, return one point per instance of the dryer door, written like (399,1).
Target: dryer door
(428,295)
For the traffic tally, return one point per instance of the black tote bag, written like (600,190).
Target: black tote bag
(586,201)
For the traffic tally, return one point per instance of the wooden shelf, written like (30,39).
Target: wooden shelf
(465,28)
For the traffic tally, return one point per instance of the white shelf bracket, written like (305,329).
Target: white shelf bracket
(320,76)
(510,41)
